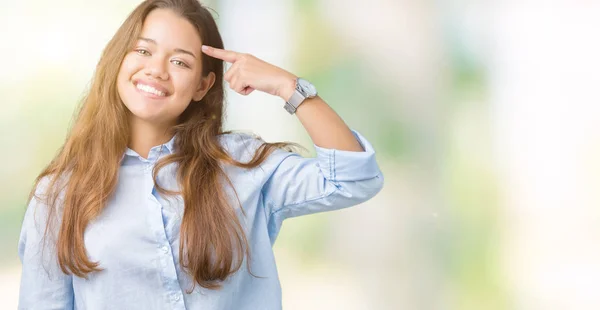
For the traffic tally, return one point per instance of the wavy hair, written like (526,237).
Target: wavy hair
(213,242)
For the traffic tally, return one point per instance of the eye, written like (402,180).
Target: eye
(142,52)
(179,63)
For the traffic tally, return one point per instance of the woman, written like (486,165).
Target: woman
(150,205)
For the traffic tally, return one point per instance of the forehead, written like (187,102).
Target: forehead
(171,31)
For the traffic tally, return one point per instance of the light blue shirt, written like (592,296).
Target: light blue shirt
(136,238)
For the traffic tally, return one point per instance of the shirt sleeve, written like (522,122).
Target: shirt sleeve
(43,284)
(333,180)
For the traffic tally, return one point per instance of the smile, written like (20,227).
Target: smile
(150,90)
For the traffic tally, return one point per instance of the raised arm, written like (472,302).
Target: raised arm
(248,73)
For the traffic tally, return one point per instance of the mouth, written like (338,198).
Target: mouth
(153,91)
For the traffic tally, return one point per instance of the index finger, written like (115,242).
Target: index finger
(228,56)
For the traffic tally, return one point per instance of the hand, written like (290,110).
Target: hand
(248,73)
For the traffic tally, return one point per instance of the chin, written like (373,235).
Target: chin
(146,114)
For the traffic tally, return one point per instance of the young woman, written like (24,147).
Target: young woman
(150,205)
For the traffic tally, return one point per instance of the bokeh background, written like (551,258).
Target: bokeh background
(485,116)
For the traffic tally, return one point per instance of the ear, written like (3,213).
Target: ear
(206,83)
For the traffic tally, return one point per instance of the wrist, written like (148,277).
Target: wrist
(288,87)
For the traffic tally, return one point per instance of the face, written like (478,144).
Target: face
(161,75)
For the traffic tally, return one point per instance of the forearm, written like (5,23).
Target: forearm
(324,126)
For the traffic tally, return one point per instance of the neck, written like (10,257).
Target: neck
(145,135)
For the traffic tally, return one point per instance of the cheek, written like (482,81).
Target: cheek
(128,67)
(185,85)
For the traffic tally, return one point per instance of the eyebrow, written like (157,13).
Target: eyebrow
(178,50)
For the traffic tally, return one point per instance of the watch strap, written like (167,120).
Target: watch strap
(294,102)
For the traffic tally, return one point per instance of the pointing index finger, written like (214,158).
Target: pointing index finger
(228,56)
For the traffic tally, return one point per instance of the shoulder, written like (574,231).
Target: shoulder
(41,198)
(36,215)
(50,184)
(241,146)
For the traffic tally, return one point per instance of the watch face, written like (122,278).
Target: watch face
(307,88)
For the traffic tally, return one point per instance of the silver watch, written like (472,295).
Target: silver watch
(304,90)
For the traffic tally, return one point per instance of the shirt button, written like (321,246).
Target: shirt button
(177,298)
(165,249)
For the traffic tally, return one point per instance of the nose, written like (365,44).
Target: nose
(156,69)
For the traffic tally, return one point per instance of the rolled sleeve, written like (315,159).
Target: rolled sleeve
(333,180)
(340,166)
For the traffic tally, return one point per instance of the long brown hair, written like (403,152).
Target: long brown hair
(211,234)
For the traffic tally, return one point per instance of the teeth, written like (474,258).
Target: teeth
(150,89)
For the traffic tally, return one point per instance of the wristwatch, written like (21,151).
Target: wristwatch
(304,90)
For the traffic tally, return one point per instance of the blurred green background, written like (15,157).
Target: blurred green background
(484,118)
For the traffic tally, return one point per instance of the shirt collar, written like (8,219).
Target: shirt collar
(163,149)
